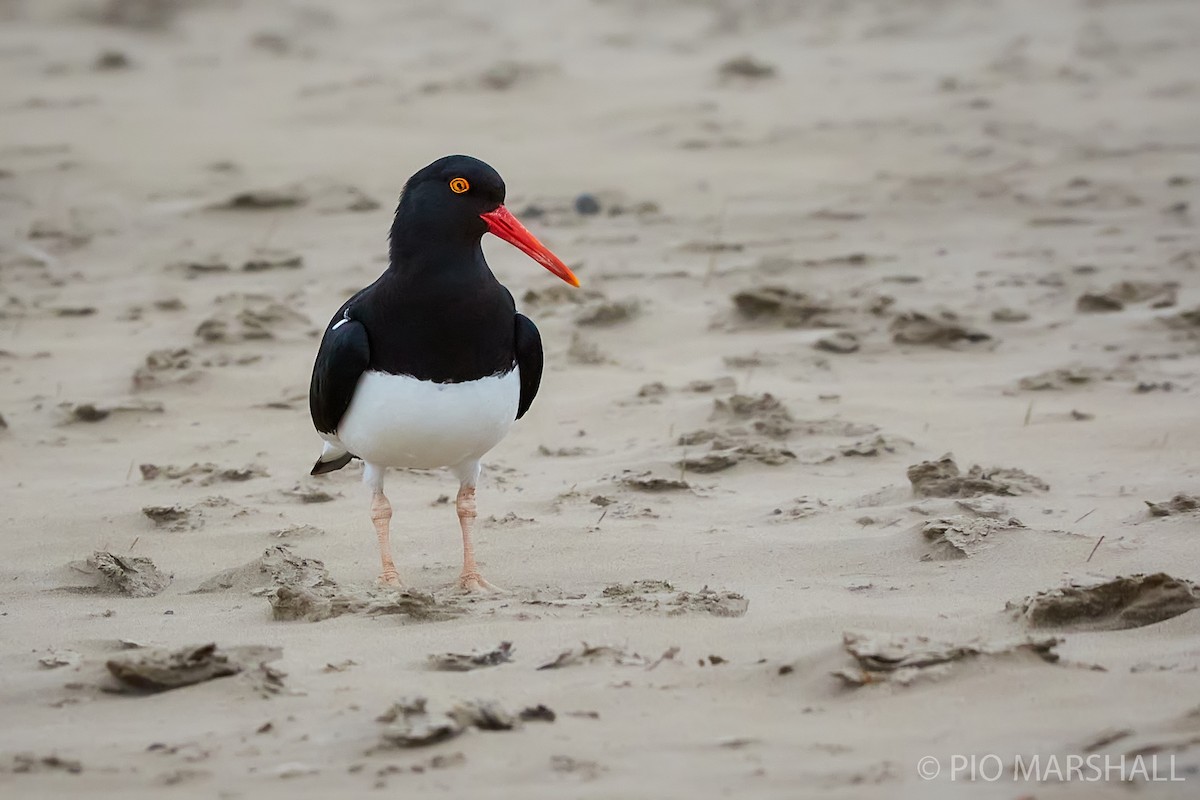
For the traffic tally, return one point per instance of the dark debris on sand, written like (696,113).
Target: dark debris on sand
(943,478)
(251,317)
(652,596)
(764,413)
(309,494)
(313,604)
(727,453)
(749,429)
(133,576)
(606,313)
(648,482)
(745,67)
(158,670)
(1179,504)
(782,306)
(410,723)
(96,412)
(277,566)
(465,662)
(204,474)
(130,576)
(24,763)
(325,198)
(300,589)
(606,654)
(960,536)
(1184,320)
(1116,297)
(180,518)
(1065,377)
(1123,602)
(263,199)
(902,659)
(936,329)
(841,342)
(166,366)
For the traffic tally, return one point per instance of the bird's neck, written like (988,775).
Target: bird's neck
(438,313)
(423,252)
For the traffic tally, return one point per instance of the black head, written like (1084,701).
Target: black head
(446,199)
(446,208)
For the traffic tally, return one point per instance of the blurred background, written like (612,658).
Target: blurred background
(820,241)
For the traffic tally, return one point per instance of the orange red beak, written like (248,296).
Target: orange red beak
(502,223)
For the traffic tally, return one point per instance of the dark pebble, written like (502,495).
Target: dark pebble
(587,204)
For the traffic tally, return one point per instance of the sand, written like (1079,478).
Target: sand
(834,240)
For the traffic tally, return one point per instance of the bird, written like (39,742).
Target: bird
(431,364)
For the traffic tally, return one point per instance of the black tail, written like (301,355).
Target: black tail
(321,467)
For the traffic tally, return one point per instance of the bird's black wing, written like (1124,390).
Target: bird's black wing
(344,354)
(529,359)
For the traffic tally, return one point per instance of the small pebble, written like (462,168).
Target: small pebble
(587,204)
(111,60)
(840,342)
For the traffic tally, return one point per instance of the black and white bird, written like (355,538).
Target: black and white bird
(429,365)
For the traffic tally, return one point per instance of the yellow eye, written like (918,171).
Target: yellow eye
(459,185)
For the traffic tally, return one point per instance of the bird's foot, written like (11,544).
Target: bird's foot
(474,583)
(390,578)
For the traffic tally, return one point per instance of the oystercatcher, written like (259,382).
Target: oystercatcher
(430,364)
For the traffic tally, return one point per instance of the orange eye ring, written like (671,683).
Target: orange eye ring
(459,185)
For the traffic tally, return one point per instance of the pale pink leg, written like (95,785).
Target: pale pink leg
(381,515)
(470,580)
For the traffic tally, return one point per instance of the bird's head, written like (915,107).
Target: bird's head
(460,198)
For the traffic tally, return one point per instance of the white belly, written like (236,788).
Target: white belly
(399,421)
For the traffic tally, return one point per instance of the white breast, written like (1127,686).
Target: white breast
(399,421)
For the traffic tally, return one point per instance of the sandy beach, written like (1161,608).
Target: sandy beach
(870,437)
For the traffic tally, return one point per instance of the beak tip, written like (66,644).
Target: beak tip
(502,223)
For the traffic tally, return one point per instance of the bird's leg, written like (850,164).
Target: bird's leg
(470,580)
(381,515)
